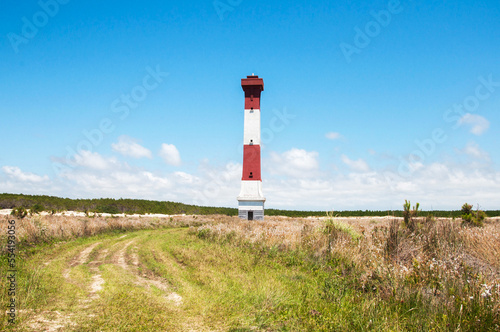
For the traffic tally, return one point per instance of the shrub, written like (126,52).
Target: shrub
(204,233)
(472,218)
(467,212)
(480,216)
(19,212)
(409,214)
(335,229)
(37,208)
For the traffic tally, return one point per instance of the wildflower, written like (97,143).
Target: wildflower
(486,293)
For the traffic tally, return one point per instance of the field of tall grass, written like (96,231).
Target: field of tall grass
(37,229)
(356,274)
(436,275)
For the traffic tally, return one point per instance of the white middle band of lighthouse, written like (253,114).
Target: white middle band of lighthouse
(252,127)
(251,190)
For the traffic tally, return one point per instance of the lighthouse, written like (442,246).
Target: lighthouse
(251,201)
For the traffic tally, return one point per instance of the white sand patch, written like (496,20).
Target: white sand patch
(97,282)
(174,297)
(91,214)
(50,321)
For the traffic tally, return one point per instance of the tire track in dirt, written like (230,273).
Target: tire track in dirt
(97,280)
(51,321)
(80,259)
(144,280)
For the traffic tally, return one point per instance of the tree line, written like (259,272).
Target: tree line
(39,203)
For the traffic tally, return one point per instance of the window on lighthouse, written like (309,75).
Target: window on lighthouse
(251,175)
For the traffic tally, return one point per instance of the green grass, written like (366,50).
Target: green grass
(225,286)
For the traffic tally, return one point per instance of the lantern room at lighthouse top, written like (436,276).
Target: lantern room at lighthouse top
(253,86)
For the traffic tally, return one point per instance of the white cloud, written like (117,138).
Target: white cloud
(93,175)
(292,179)
(14,180)
(473,150)
(333,135)
(94,160)
(356,165)
(186,178)
(437,185)
(478,124)
(98,176)
(170,154)
(16,174)
(127,146)
(295,162)
(133,183)
(217,185)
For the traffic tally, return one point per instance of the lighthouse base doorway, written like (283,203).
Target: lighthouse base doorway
(251,210)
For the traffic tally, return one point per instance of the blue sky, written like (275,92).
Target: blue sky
(366,103)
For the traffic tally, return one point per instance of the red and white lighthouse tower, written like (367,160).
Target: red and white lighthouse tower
(251,201)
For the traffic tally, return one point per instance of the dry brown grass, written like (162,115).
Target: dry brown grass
(45,228)
(384,237)
(484,243)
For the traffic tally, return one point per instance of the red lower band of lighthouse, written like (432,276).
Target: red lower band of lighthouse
(251,163)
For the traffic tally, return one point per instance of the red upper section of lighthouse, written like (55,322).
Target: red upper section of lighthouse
(253,86)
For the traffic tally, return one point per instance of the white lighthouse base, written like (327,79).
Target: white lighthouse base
(251,201)
(251,210)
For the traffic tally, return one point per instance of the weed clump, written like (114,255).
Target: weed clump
(409,214)
(19,212)
(335,229)
(472,218)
